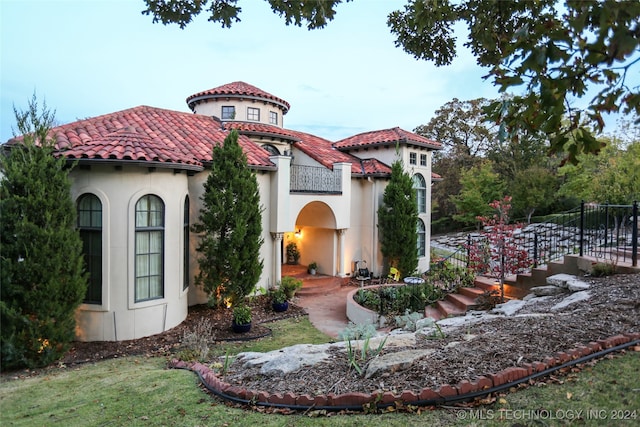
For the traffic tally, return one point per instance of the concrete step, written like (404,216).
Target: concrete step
(486,283)
(463,302)
(432,312)
(472,293)
(489,284)
(319,286)
(449,309)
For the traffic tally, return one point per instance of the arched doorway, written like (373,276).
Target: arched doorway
(315,237)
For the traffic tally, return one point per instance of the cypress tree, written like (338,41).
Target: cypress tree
(231,226)
(397,222)
(42,278)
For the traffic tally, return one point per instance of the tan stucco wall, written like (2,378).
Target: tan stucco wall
(214,108)
(324,219)
(120,317)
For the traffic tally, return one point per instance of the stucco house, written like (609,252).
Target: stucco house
(140,175)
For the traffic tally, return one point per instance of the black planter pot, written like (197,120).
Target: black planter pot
(240,328)
(279,307)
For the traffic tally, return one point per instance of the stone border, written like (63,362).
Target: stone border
(464,390)
(360,315)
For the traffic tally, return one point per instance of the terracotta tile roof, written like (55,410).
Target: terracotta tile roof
(128,144)
(375,167)
(151,134)
(322,151)
(261,129)
(386,137)
(237,89)
(435,177)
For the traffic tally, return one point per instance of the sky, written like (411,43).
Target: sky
(86,58)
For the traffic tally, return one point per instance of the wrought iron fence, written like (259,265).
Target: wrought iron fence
(608,232)
(315,179)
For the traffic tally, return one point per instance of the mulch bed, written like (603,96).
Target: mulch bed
(167,343)
(614,308)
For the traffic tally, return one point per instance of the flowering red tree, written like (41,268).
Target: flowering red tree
(496,253)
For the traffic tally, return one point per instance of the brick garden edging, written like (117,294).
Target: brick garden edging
(464,390)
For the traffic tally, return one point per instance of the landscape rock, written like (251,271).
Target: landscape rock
(394,362)
(578,285)
(509,308)
(560,280)
(549,290)
(288,359)
(573,298)
(567,281)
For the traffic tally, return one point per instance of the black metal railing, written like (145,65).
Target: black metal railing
(608,232)
(315,179)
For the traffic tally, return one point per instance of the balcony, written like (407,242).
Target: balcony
(315,180)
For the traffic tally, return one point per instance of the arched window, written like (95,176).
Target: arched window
(149,269)
(89,210)
(422,238)
(185,249)
(271,149)
(421,192)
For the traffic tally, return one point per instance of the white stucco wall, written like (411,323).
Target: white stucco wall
(120,317)
(267,279)
(214,108)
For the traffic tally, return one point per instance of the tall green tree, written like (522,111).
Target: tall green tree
(534,190)
(613,176)
(552,52)
(466,136)
(480,186)
(231,226)
(462,129)
(42,277)
(397,221)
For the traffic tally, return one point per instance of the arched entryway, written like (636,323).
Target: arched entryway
(315,237)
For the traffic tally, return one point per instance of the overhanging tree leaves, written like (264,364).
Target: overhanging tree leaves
(316,13)
(397,221)
(42,278)
(231,226)
(559,52)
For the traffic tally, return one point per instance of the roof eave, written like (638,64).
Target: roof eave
(199,98)
(140,163)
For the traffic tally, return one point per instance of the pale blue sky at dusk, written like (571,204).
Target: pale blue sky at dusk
(92,57)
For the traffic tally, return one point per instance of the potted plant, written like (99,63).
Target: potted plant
(313,267)
(241,321)
(293,254)
(279,301)
(290,286)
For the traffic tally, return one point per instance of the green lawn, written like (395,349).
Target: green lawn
(141,391)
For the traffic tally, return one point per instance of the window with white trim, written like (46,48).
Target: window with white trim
(253,114)
(228,112)
(423,160)
(273,118)
(89,209)
(420,186)
(149,249)
(413,158)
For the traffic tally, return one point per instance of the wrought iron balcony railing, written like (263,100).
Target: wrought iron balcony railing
(315,179)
